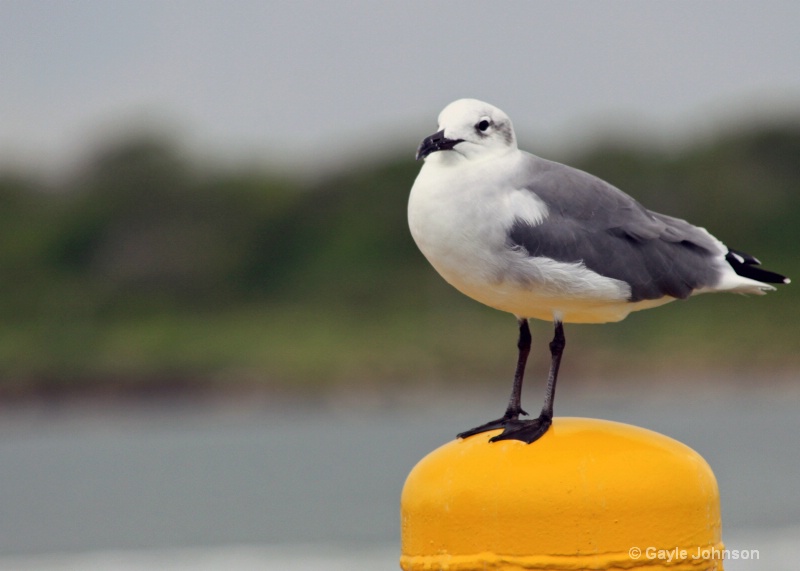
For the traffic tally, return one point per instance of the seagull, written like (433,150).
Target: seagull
(543,240)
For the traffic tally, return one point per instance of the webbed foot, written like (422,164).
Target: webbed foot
(527,431)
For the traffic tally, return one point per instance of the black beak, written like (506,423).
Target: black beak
(436,142)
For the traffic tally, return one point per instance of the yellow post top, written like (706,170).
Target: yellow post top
(590,494)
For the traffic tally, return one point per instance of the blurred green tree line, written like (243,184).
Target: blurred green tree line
(147,266)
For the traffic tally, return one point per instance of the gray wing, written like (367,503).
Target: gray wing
(592,222)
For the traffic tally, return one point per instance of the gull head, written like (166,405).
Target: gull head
(470,129)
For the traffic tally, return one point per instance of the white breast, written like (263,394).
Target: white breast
(458,218)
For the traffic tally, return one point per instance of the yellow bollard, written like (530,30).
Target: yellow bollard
(590,494)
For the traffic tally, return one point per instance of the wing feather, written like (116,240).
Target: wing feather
(593,222)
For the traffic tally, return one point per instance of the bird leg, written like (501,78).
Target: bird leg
(556,350)
(531,430)
(514,408)
(527,430)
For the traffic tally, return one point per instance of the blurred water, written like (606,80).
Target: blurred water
(275,484)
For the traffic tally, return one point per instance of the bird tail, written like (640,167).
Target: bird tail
(748,267)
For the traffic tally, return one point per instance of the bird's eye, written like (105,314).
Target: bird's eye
(483,125)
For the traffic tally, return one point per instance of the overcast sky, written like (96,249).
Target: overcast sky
(304,80)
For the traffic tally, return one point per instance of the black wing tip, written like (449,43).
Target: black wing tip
(747,266)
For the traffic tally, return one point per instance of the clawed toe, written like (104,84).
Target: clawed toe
(491,425)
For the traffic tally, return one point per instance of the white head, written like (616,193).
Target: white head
(472,129)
